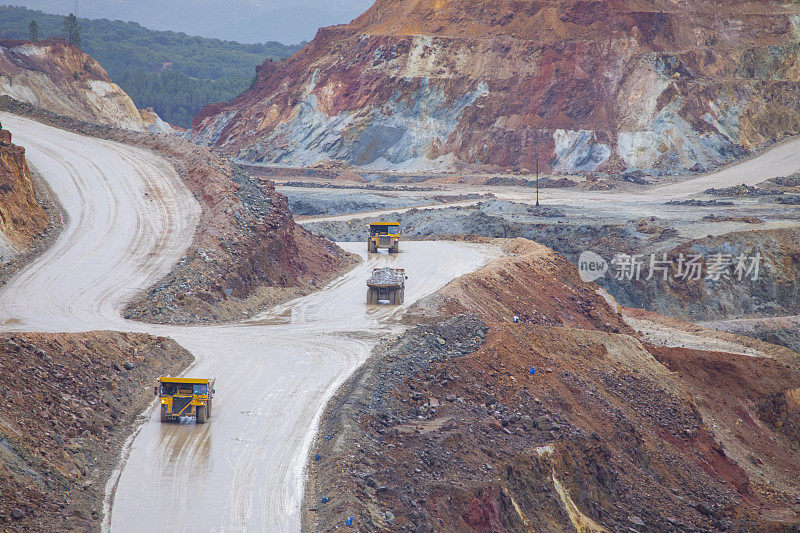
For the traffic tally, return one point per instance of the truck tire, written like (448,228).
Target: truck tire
(372,296)
(201,414)
(371,247)
(394,297)
(402,296)
(164,416)
(208,409)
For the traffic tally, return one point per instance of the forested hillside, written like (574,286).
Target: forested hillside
(174,73)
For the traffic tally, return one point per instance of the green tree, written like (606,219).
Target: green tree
(33,30)
(72,30)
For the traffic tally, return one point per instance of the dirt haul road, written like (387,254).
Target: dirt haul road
(244,470)
(780,160)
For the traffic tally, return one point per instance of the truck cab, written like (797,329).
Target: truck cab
(384,235)
(185,397)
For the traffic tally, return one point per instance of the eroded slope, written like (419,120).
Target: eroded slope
(22,218)
(601,84)
(58,77)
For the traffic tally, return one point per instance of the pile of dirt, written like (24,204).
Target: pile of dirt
(602,85)
(788,199)
(521,284)
(787,181)
(739,191)
(247,252)
(350,176)
(721,218)
(63,79)
(700,203)
(557,183)
(386,276)
(69,401)
(480,424)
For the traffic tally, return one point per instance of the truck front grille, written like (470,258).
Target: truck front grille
(384,240)
(179,403)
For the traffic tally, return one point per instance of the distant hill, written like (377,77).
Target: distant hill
(247,21)
(174,73)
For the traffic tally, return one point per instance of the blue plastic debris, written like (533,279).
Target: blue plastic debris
(317,457)
(324,499)
(516,319)
(349,521)
(327,437)
(533,370)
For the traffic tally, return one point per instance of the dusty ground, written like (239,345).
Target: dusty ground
(68,403)
(447,429)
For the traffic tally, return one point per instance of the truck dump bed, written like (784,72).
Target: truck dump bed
(386,277)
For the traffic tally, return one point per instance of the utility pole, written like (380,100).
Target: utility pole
(536,155)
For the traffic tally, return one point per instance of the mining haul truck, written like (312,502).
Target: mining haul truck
(185,397)
(388,285)
(384,235)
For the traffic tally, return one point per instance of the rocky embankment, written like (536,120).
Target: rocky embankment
(557,423)
(22,218)
(313,203)
(775,291)
(68,403)
(247,252)
(63,79)
(30,217)
(603,85)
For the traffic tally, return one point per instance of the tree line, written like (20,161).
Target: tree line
(174,73)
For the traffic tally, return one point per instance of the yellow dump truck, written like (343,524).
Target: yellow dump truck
(185,397)
(387,285)
(384,235)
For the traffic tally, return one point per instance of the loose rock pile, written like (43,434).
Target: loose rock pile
(67,403)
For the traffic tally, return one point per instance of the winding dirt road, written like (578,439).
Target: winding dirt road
(130,220)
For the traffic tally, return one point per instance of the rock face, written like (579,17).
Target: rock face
(604,84)
(21,216)
(60,78)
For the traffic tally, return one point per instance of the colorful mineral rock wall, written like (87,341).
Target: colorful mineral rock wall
(602,85)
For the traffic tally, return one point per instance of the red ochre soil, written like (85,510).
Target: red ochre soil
(22,219)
